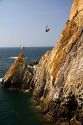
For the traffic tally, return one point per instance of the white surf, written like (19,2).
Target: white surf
(16,57)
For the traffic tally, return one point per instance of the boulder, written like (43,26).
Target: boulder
(33,62)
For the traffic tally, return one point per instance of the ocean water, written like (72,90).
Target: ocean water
(17,108)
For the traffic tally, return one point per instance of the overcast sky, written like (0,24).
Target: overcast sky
(24,21)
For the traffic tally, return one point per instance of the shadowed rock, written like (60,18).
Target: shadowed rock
(33,62)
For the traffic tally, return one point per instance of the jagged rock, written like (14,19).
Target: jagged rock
(59,74)
(33,62)
(18,75)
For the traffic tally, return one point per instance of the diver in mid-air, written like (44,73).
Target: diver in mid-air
(47,29)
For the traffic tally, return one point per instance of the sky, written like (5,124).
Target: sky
(23,22)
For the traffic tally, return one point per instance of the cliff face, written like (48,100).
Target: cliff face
(59,75)
(18,75)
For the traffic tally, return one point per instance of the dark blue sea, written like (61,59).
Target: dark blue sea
(16,107)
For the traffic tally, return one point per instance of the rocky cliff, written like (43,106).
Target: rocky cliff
(59,75)
(19,75)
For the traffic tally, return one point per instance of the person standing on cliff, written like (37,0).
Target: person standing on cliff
(22,49)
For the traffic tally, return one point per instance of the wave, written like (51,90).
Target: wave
(16,57)
(26,91)
(13,57)
(1,79)
(32,67)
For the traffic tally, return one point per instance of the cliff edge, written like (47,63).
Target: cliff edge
(59,75)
